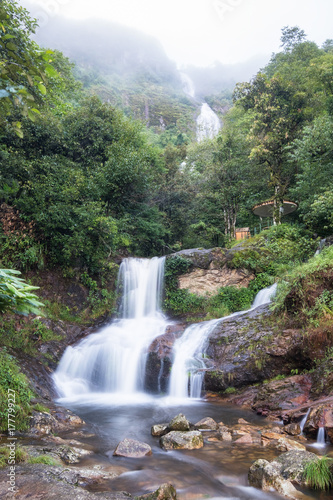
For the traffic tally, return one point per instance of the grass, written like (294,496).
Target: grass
(318,475)
(44,459)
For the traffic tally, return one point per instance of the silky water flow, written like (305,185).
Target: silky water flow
(113,360)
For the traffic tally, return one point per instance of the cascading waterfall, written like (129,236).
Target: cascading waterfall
(113,360)
(208,123)
(189,366)
(188,85)
(304,419)
(321,438)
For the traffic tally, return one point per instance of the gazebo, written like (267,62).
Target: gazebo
(267,208)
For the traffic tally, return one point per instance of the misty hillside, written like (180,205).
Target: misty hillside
(131,70)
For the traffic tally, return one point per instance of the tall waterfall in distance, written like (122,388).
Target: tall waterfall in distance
(188,85)
(189,366)
(113,360)
(208,123)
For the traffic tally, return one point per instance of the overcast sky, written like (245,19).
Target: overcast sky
(203,31)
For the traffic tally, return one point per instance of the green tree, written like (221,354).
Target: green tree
(277,110)
(24,67)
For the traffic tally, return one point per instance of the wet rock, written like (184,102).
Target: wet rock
(40,481)
(292,429)
(42,423)
(176,440)
(281,395)
(285,444)
(200,257)
(207,423)
(279,474)
(226,436)
(179,423)
(158,362)
(164,492)
(159,430)
(246,439)
(320,416)
(242,421)
(132,449)
(58,419)
(70,455)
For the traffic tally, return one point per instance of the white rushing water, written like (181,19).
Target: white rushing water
(208,123)
(189,366)
(113,360)
(188,85)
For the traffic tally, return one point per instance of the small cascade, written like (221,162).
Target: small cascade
(188,369)
(114,359)
(304,419)
(320,246)
(208,123)
(321,440)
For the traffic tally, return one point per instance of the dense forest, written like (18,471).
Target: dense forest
(81,181)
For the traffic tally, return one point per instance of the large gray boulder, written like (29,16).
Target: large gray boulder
(132,449)
(282,473)
(175,440)
(179,423)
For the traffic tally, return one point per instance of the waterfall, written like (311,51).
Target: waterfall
(114,359)
(304,419)
(208,123)
(188,85)
(189,365)
(321,441)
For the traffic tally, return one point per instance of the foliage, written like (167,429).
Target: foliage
(233,298)
(12,378)
(15,294)
(25,68)
(305,291)
(273,249)
(318,474)
(44,459)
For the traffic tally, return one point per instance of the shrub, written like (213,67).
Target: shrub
(12,378)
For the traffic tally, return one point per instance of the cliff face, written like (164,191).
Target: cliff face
(210,271)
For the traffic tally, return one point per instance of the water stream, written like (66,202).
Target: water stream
(113,360)
(188,369)
(102,379)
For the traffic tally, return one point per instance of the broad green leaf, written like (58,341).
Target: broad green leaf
(42,88)
(51,71)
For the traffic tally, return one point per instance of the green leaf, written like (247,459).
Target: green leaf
(41,88)
(51,71)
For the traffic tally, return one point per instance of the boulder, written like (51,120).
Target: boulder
(292,429)
(246,439)
(207,423)
(159,430)
(164,492)
(179,423)
(132,449)
(226,436)
(176,440)
(281,473)
(285,444)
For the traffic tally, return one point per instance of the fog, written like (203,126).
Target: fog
(200,32)
(217,42)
